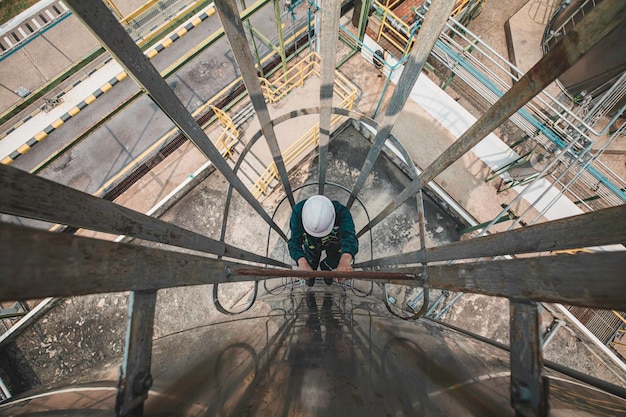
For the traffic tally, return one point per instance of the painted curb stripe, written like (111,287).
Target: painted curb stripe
(106,87)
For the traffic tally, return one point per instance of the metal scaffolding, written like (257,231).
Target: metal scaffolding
(593,280)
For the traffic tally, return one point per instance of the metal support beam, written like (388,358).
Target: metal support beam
(33,315)
(82,266)
(599,22)
(28,195)
(135,378)
(535,279)
(227,10)
(103,25)
(85,266)
(331,12)
(281,38)
(428,34)
(602,227)
(529,387)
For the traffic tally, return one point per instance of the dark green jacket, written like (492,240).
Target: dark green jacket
(344,227)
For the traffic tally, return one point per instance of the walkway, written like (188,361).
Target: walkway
(34,128)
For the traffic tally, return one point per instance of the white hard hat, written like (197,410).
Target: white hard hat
(318,216)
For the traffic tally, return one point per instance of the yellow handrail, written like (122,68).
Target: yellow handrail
(229,136)
(397,35)
(284,83)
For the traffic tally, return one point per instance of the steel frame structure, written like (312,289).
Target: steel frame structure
(593,280)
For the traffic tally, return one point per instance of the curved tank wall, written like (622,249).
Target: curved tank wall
(597,70)
(323,352)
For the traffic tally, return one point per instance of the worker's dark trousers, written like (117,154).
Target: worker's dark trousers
(313,255)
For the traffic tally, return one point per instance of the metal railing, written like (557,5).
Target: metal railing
(399,33)
(154,14)
(570,23)
(544,119)
(229,136)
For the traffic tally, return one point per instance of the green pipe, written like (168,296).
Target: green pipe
(363,17)
(266,41)
(90,57)
(380,100)
(347,57)
(281,40)
(507,217)
(214,37)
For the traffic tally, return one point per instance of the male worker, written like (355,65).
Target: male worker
(318,224)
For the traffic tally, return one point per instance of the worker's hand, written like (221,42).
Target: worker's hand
(303,265)
(345,263)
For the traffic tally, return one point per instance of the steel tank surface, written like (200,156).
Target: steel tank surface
(595,72)
(322,352)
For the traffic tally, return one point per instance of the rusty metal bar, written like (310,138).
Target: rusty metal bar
(534,279)
(599,22)
(84,266)
(28,195)
(529,387)
(422,238)
(602,227)
(103,25)
(367,275)
(79,265)
(135,378)
(227,10)
(331,12)
(428,34)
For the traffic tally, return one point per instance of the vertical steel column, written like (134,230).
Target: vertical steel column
(103,25)
(227,10)
(281,40)
(135,378)
(363,19)
(529,388)
(331,11)
(428,34)
(598,23)
(318,25)
(256,50)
